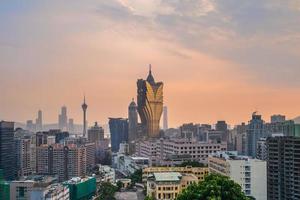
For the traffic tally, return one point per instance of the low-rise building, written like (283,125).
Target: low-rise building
(125,182)
(81,188)
(167,185)
(52,192)
(129,164)
(199,172)
(24,189)
(250,174)
(107,174)
(160,151)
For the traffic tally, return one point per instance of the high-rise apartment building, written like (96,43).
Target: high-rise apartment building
(262,152)
(64,161)
(150,104)
(132,121)
(255,131)
(118,132)
(42,137)
(7,150)
(24,155)
(241,139)
(283,168)
(250,174)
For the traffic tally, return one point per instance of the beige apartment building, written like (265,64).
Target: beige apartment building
(65,161)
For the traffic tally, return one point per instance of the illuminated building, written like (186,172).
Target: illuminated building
(150,104)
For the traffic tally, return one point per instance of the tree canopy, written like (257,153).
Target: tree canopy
(214,187)
(136,177)
(107,191)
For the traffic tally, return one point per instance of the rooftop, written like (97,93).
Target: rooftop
(76,180)
(167,176)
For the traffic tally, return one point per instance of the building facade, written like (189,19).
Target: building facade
(250,174)
(64,161)
(262,152)
(283,168)
(171,152)
(118,132)
(31,188)
(81,188)
(7,150)
(255,131)
(150,104)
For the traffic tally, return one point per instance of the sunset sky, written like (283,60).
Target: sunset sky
(218,59)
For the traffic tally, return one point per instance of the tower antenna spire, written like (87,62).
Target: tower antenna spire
(150,68)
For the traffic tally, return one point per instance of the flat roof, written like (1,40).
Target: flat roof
(139,158)
(167,176)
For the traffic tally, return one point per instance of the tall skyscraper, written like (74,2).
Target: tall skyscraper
(165,118)
(118,132)
(71,128)
(63,119)
(132,121)
(39,121)
(255,131)
(7,150)
(150,104)
(84,108)
(283,170)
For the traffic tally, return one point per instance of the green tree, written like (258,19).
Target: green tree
(214,187)
(107,191)
(136,177)
(119,185)
(149,198)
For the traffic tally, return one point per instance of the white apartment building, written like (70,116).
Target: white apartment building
(107,173)
(52,192)
(175,151)
(31,187)
(129,164)
(250,174)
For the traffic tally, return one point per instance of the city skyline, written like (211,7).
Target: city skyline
(122,114)
(218,61)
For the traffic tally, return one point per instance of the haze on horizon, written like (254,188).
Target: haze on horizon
(219,60)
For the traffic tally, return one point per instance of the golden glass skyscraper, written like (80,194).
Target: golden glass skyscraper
(150,104)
